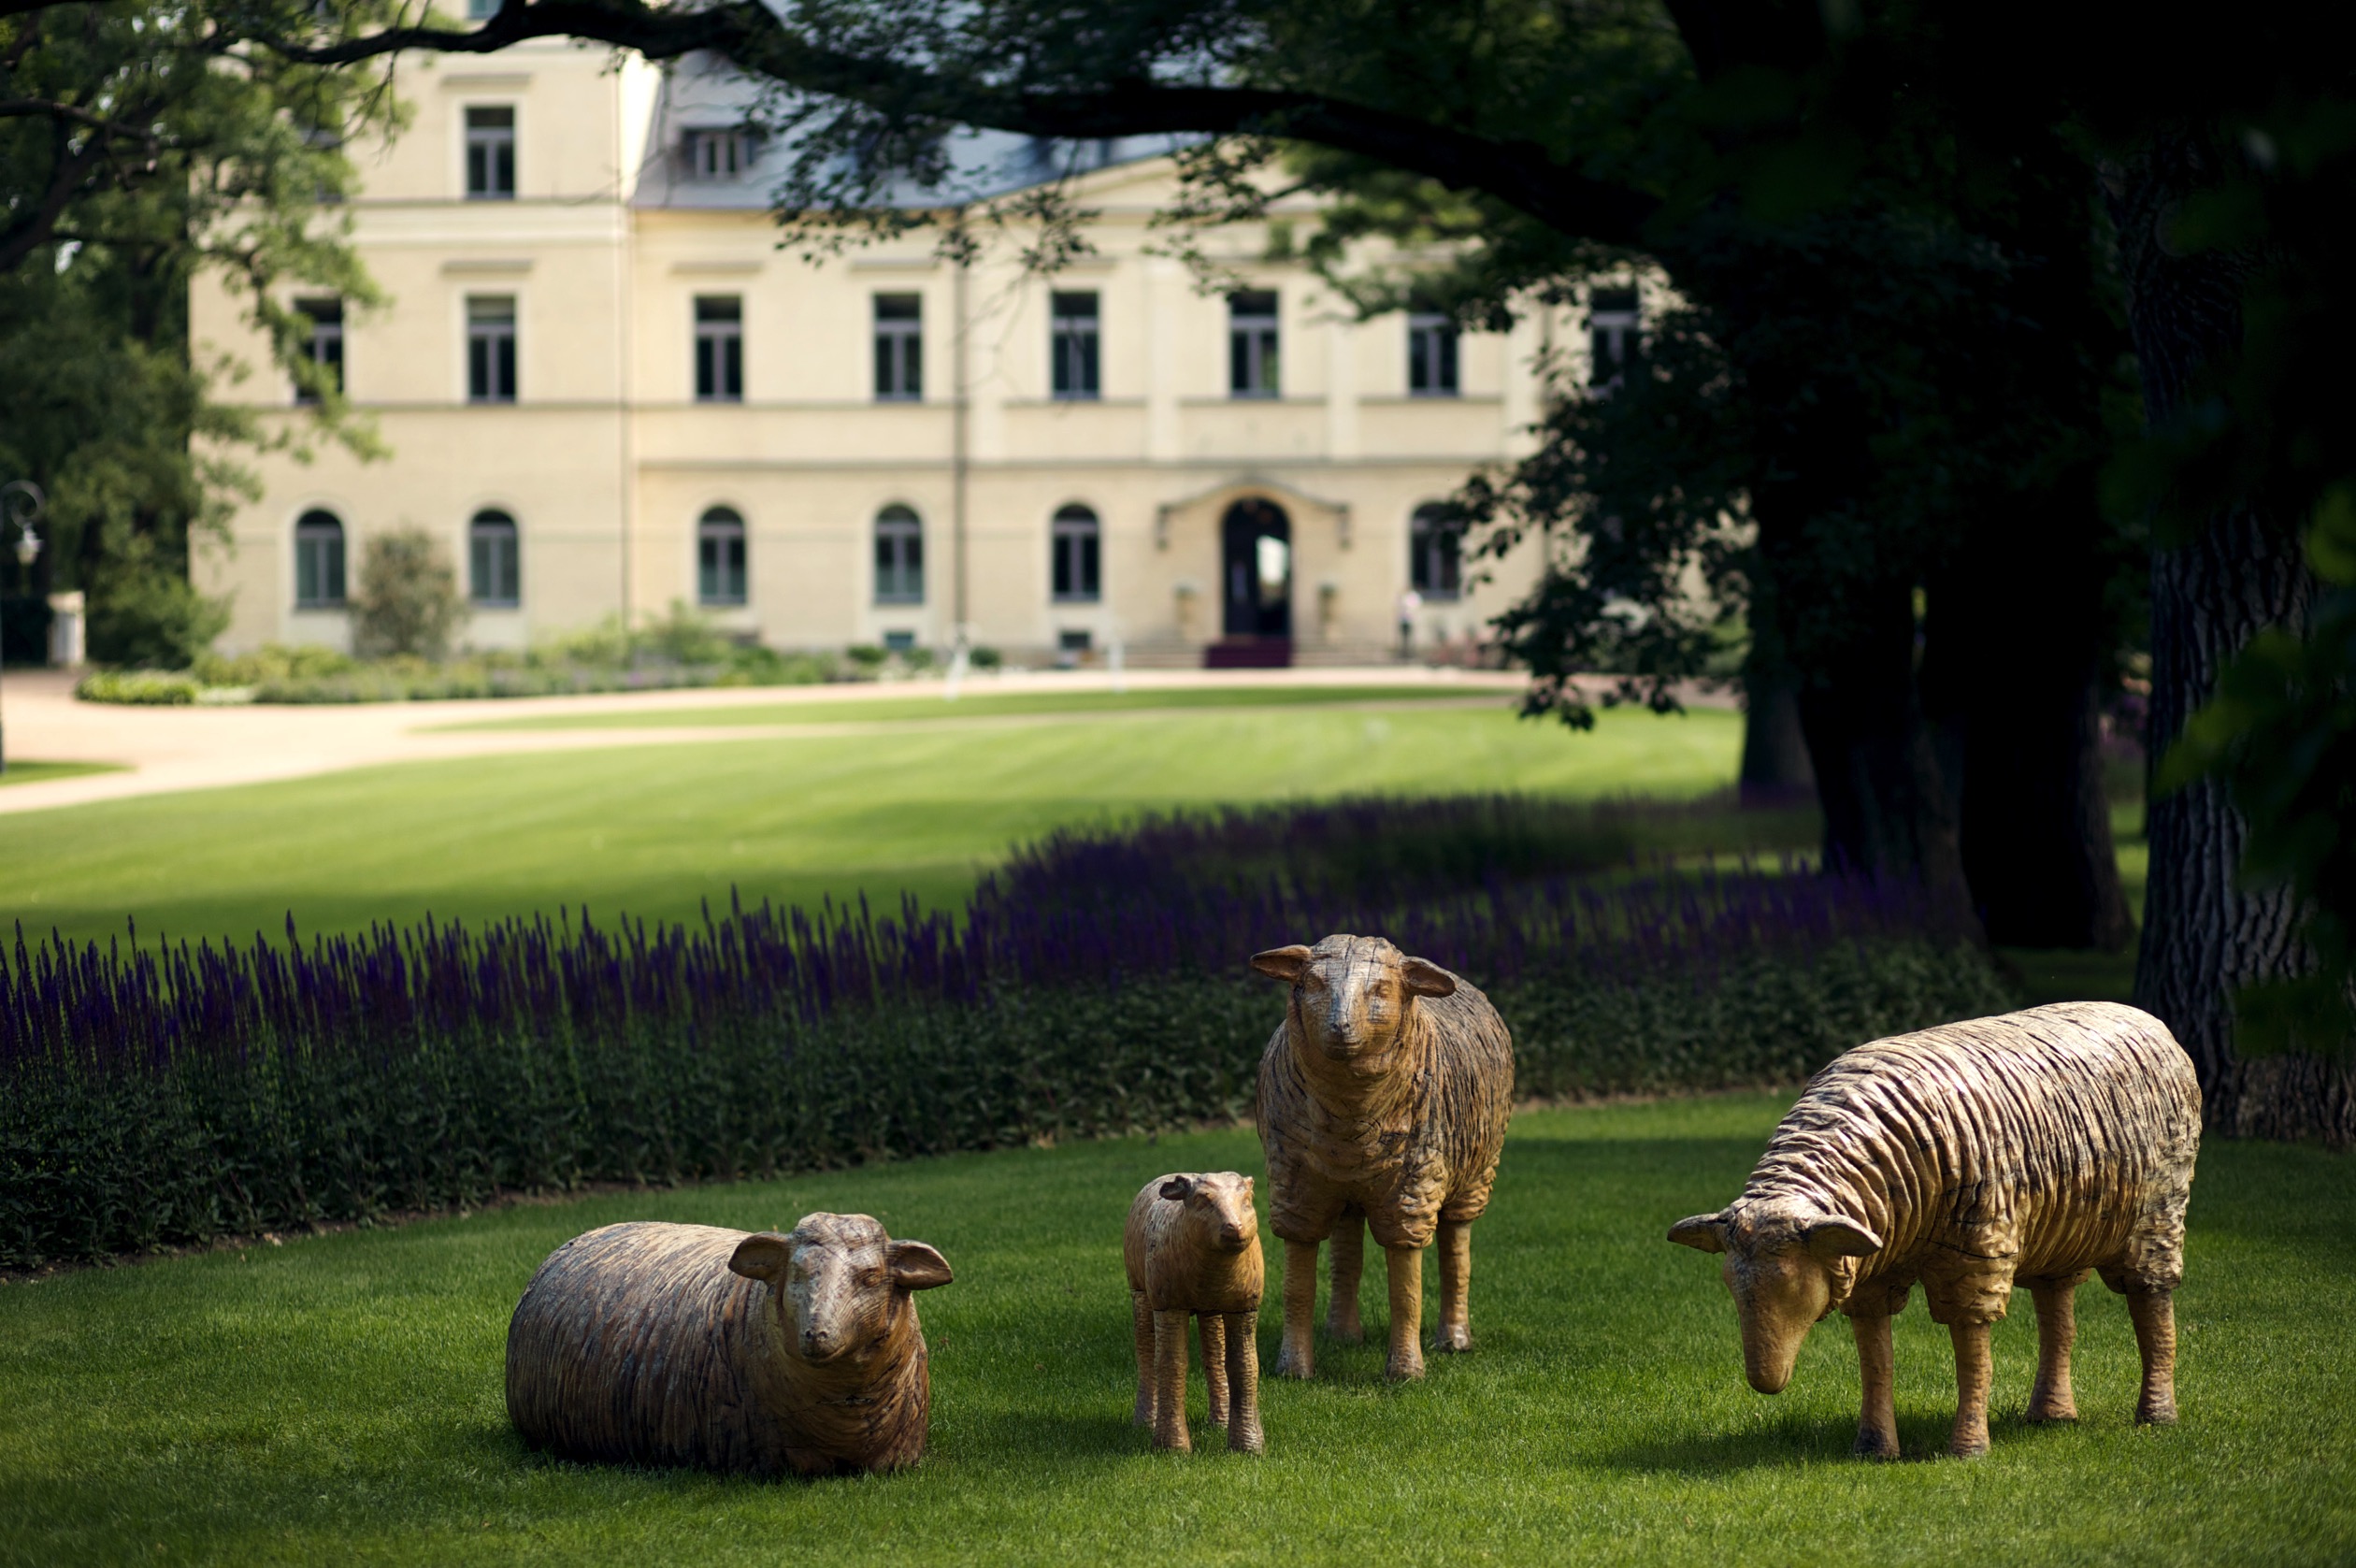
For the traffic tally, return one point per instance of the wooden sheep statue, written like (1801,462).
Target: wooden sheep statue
(2033,1148)
(1193,1247)
(687,1344)
(1383,1101)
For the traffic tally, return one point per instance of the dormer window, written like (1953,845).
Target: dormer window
(716,154)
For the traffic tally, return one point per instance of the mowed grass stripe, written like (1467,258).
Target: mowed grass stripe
(982,704)
(655,830)
(340,1397)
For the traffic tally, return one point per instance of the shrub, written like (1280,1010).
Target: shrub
(153,617)
(153,1097)
(142,688)
(408,598)
(984,658)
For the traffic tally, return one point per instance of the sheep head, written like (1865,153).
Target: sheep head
(1786,1269)
(840,1279)
(1353,995)
(1215,1210)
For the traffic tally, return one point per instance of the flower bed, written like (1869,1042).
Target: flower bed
(150,1099)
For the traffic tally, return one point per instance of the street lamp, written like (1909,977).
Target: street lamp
(22,504)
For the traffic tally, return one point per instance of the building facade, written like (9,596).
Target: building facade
(607,390)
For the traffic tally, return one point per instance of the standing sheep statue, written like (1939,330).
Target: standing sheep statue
(687,1344)
(1193,1247)
(2034,1148)
(1383,1101)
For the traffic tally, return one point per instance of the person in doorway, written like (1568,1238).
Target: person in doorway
(1409,602)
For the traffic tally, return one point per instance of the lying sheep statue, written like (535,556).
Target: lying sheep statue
(1383,1100)
(686,1345)
(2034,1148)
(1193,1247)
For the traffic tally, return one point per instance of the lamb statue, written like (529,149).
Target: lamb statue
(1192,1247)
(2034,1148)
(1383,1097)
(687,1344)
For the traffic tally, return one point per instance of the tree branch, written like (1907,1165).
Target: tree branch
(1519,173)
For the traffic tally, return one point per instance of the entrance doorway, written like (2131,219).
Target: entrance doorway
(1257,562)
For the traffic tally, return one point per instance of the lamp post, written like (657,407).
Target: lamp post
(22,504)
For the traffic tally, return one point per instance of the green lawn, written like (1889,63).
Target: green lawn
(655,830)
(339,1398)
(32,773)
(984,703)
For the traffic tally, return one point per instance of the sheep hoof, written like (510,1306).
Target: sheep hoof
(1873,1444)
(2042,1411)
(1969,1447)
(1452,1339)
(1403,1369)
(2156,1415)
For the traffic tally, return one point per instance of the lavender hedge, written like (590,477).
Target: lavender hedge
(1095,985)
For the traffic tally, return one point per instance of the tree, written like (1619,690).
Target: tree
(140,144)
(409,601)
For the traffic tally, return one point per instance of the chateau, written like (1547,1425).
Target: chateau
(607,389)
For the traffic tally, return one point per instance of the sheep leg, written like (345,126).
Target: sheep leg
(1243,1376)
(2051,1398)
(1212,1327)
(2154,1314)
(1973,1369)
(1141,1320)
(1877,1367)
(1406,1314)
(1296,1360)
(1170,1381)
(1455,1286)
(1349,1262)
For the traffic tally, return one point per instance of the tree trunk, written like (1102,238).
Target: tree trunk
(1887,808)
(2203,934)
(2010,673)
(1775,766)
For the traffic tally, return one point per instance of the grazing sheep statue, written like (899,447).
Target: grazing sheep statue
(687,1344)
(2034,1148)
(1383,1101)
(1193,1247)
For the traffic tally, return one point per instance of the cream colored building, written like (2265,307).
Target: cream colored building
(607,389)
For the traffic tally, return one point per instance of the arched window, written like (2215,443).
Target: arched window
(1075,555)
(1433,566)
(495,578)
(319,561)
(900,556)
(719,558)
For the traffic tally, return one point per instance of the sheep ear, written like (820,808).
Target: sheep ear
(762,1255)
(1281,963)
(1829,1239)
(1702,1232)
(918,1267)
(1424,978)
(1176,1189)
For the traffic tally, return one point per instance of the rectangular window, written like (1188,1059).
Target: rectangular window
(491,348)
(1432,354)
(491,154)
(1613,326)
(1252,365)
(719,349)
(900,348)
(327,346)
(714,154)
(481,11)
(1072,345)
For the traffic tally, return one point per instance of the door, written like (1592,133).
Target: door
(1257,569)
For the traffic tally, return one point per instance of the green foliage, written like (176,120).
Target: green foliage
(142,147)
(2282,734)
(984,658)
(407,600)
(138,687)
(92,1164)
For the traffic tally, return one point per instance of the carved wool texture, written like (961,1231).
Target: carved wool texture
(2034,1145)
(1176,1265)
(1421,1146)
(636,1345)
